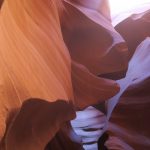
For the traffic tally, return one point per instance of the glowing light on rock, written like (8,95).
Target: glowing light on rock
(125,5)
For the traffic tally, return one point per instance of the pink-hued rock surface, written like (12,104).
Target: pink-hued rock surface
(135,29)
(129,124)
(91,38)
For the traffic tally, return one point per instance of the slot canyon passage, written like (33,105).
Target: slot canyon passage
(74,74)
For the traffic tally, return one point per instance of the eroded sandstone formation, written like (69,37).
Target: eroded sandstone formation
(37,75)
(129,123)
(135,29)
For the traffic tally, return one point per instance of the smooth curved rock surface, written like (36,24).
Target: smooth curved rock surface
(129,123)
(35,65)
(135,29)
(92,40)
